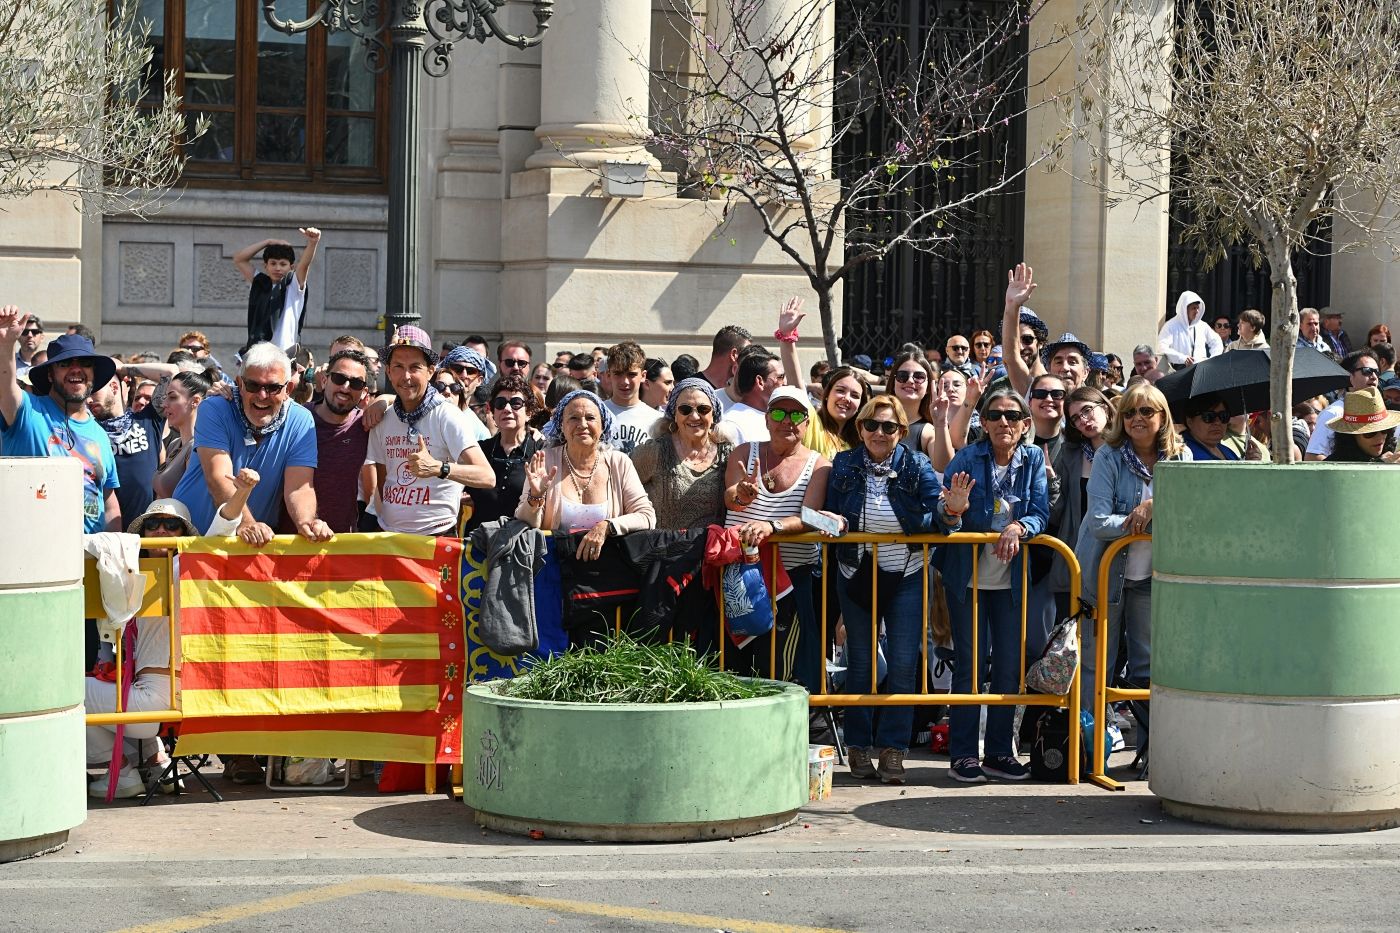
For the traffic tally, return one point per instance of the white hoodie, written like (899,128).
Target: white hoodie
(1180,339)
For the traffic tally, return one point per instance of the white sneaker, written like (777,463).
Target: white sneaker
(129,784)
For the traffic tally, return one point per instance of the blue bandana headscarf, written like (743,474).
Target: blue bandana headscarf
(466,356)
(554,430)
(685,385)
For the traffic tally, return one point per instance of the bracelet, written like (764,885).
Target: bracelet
(786,337)
(951,514)
(535,501)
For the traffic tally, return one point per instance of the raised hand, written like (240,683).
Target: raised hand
(938,404)
(1019,285)
(247,478)
(12,324)
(790,315)
(537,479)
(957,490)
(421,463)
(311,233)
(746,490)
(975,387)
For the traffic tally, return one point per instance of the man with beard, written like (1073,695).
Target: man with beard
(53,421)
(30,340)
(423,450)
(341,439)
(258,428)
(135,437)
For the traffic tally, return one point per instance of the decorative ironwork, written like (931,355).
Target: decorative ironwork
(914,295)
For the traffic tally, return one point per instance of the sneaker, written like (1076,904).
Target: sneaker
(1115,737)
(861,767)
(129,784)
(891,767)
(1006,768)
(968,771)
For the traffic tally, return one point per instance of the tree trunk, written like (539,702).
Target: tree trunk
(1281,347)
(828,325)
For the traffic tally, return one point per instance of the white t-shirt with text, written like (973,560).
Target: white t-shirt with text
(631,425)
(414,504)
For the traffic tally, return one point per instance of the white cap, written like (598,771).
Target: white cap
(792,394)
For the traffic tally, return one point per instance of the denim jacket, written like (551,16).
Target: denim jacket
(1032,511)
(1114,491)
(914,495)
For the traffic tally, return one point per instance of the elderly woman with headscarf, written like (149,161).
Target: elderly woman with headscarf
(579,482)
(469,369)
(682,466)
(1187,338)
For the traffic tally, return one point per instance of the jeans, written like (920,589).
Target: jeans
(902,613)
(1133,612)
(999,624)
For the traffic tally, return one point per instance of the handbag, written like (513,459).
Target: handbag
(1053,672)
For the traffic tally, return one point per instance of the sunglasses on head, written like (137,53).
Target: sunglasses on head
(871,426)
(779,415)
(686,411)
(257,388)
(911,375)
(341,379)
(163,524)
(500,403)
(1143,410)
(1027,340)
(448,388)
(515,364)
(999,415)
(1042,394)
(1213,417)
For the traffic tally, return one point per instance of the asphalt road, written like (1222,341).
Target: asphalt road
(719,886)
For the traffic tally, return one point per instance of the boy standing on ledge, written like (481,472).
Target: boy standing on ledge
(277,297)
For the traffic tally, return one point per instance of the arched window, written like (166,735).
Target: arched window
(285,112)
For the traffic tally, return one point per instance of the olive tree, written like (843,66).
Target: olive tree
(1277,113)
(76,112)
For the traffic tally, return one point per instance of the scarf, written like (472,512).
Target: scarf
(252,435)
(1008,479)
(882,470)
(554,430)
(119,426)
(685,385)
(1135,463)
(432,398)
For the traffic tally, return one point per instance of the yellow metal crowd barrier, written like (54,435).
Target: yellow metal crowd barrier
(1103,693)
(1069,700)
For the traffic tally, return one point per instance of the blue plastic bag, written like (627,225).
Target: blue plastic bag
(747,608)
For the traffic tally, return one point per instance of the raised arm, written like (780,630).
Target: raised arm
(12,322)
(243,259)
(1019,287)
(789,317)
(308,253)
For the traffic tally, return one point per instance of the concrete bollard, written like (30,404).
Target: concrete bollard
(1275,646)
(42,742)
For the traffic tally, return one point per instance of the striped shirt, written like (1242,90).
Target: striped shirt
(772,506)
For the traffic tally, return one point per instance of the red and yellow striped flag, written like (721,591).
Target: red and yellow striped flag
(347,650)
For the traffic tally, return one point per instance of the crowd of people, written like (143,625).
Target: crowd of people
(1053,438)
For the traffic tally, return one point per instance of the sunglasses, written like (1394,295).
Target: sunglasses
(779,415)
(341,379)
(911,375)
(1043,394)
(999,415)
(1213,417)
(1367,370)
(462,369)
(1142,411)
(871,426)
(1085,413)
(194,347)
(448,388)
(686,411)
(559,366)
(515,364)
(958,348)
(163,524)
(1027,340)
(258,388)
(31,332)
(982,345)
(1222,325)
(500,403)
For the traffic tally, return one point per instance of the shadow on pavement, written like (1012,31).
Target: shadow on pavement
(437,820)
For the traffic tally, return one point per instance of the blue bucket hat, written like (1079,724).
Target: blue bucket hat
(72,347)
(1066,340)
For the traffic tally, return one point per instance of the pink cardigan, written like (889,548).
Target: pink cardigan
(624,486)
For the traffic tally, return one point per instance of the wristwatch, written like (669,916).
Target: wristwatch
(777,526)
(445,470)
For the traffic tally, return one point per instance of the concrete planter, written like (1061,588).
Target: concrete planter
(635,772)
(1276,646)
(42,742)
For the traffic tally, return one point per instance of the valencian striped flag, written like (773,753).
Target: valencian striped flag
(348,650)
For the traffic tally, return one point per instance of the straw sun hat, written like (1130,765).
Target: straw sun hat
(1364,412)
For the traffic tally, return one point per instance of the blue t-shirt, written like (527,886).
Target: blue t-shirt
(137,448)
(219,428)
(41,430)
(1198,450)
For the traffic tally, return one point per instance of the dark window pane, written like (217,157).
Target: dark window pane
(149,19)
(281,68)
(350,141)
(209,52)
(216,145)
(281,138)
(349,84)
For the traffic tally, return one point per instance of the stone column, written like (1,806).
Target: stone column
(1101,270)
(594,84)
(1365,280)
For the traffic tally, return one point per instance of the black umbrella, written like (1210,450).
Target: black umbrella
(1241,379)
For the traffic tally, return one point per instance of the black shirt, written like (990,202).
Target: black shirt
(500,501)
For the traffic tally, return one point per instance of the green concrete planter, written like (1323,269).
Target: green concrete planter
(1276,646)
(635,772)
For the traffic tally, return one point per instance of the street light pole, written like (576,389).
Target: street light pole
(407,36)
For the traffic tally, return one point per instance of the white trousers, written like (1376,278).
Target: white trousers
(148,692)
